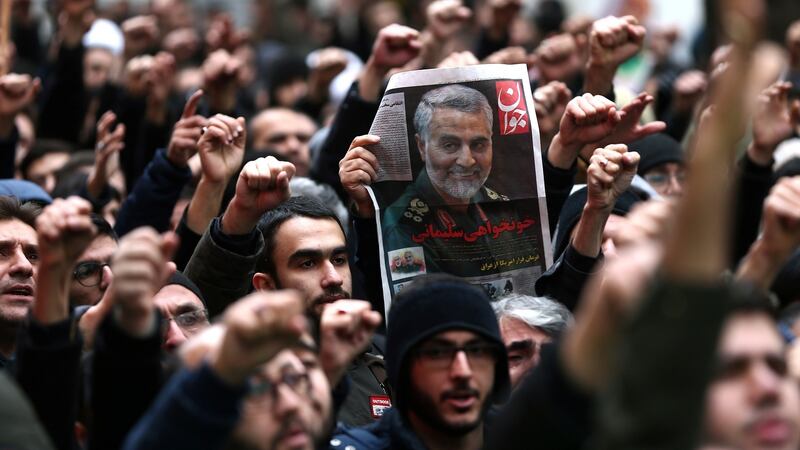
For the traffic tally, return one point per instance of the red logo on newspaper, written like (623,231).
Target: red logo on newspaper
(378,404)
(513,113)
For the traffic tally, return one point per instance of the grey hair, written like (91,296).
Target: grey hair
(452,96)
(324,193)
(543,313)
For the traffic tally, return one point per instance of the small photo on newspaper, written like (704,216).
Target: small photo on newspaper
(460,187)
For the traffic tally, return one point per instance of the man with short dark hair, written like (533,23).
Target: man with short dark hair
(92,275)
(19,257)
(752,402)
(318,268)
(301,245)
(285,132)
(447,367)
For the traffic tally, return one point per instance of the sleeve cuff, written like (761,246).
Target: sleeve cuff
(582,263)
(242,244)
(749,167)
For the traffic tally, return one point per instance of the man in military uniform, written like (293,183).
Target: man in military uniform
(463,226)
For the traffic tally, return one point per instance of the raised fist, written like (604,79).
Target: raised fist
(221,147)
(395,46)
(263,184)
(611,170)
(359,169)
(613,40)
(141,266)
(257,327)
(65,229)
(446,18)
(558,58)
(346,329)
(16,93)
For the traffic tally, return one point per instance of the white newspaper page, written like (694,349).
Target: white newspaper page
(460,186)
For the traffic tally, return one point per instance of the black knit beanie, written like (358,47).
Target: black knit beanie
(182,280)
(655,150)
(427,308)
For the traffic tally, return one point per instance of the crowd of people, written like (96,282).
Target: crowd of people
(189,256)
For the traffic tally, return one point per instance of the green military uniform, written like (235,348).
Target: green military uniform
(493,235)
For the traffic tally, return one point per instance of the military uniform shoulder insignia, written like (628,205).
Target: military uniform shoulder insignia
(416,210)
(494,195)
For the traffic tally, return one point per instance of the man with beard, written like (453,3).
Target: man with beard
(454,138)
(447,367)
(297,244)
(287,133)
(253,382)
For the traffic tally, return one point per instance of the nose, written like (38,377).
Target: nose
(293,145)
(287,402)
(465,158)
(764,384)
(460,367)
(674,187)
(21,267)
(331,277)
(174,337)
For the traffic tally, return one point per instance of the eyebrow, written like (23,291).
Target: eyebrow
(305,253)
(14,242)
(526,344)
(186,307)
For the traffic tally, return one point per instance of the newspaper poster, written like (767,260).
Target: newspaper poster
(460,187)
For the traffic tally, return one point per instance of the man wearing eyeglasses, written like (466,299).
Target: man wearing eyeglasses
(252,382)
(662,163)
(183,308)
(92,275)
(447,365)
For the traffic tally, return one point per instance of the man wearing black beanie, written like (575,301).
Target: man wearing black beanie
(447,365)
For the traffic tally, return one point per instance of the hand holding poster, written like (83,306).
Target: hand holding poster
(460,187)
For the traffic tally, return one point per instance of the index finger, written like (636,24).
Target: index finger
(191,105)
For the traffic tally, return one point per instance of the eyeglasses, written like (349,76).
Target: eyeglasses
(266,390)
(191,320)
(658,179)
(89,273)
(440,356)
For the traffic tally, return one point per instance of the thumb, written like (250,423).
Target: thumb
(107,301)
(169,243)
(242,139)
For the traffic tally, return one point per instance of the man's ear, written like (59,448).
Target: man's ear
(420,146)
(264,282)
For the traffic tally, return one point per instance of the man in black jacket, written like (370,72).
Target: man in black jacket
(447,367)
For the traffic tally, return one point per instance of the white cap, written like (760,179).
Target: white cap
(105,34)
